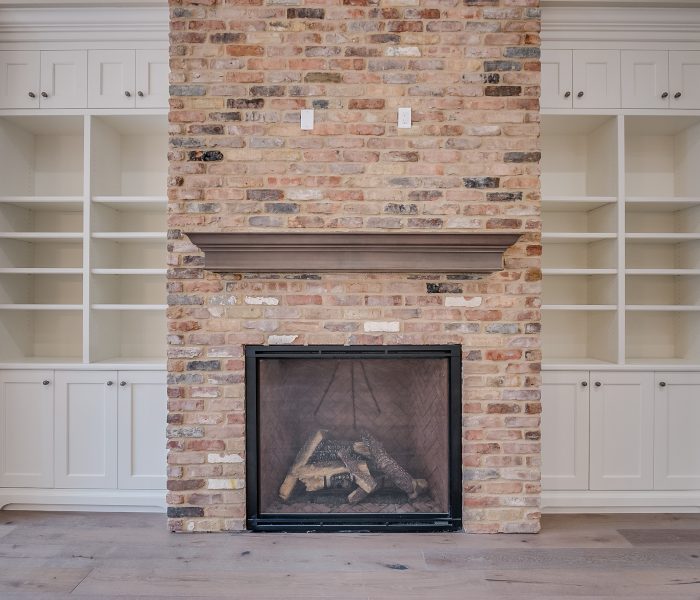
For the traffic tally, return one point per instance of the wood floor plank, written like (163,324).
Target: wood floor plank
(662,537)
(38,579)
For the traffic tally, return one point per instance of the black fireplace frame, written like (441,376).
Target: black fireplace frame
(357,522)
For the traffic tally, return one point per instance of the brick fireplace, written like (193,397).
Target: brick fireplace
(241,71)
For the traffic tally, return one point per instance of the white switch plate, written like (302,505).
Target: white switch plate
(307,118)
(405,118)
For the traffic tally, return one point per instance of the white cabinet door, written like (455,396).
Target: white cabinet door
(19,79)
(644,79)
(111,78)
(557,79)
(684,79)
(596,78)
(677,431)
(26,428)
(152,70)
(622,430)
(63,79)
(565,430)
(142,418)
(86,432)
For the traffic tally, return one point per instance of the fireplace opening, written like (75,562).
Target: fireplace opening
(357,438)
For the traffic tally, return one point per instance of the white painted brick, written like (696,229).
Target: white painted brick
(375,326)
(281,339)
(402,51)
(296,194)
(225,484)
(224,458)
(472,302)
(267,300)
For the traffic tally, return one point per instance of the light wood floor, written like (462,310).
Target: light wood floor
(107,556)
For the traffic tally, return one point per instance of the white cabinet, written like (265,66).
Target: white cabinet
(45,79)
(565,430)
(86,433)
(677,427)
(26,428)
(660,79)
(622,431)
(127,78)
(580,79)
(142,418)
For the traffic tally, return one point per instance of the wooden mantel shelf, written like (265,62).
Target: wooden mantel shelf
(304,252)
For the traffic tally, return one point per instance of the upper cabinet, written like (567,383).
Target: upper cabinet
(127,78)
(80,78)
(660,79)
(43,79)
(580,79)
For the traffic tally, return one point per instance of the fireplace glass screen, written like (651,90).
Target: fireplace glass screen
(357,437)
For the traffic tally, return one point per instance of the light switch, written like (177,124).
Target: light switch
(307,118)
(405,118)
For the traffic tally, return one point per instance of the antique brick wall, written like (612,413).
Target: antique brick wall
(241,71)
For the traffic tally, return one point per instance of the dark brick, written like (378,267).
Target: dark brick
(204,365)
(281,207)
(225,116)
(503,90)
(532,435)
(267,90)
(522,157)
(266,195)
(226,38)
(482,182)
(176,512)
(424,195)
(320,103)
(522,52)
(366,104)
(244,103)
(306,13)
(188,90)
(443,288)
(504,196)
(184,300)
(490,78)
(502,65)
(323,78)
(181,485)
(401,209)
(205,155)
(206,129)
(385,38)
(473,355)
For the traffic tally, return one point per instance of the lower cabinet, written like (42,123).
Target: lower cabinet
(620,431)
(82,430)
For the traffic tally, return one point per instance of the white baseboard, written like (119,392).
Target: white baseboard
(587,501)
(82,500)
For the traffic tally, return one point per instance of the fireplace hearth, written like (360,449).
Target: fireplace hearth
(360,438)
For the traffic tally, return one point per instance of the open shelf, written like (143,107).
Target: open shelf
(662,335)
(583,336)
(127,333)
(590,291)
(574,254)
(41,253)
(124,220)
(662,155)
(128,254)
(132,290)
(26,290)
(660,204)
(575,203)
(54,335)
(655,223)
(579,156)
(665,292)
(662,254)
(42,155)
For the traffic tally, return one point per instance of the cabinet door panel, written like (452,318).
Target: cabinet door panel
(597,76)
(26,429)
(684,77)
(564,430)
(86,418)
(63,79)
(676,439)
(644,79)
(152,78)
(142,418)
(111,76)
(19,76)
(622,429)
(556,79)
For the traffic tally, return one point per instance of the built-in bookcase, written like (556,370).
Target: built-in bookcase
(82,238)
(621,239)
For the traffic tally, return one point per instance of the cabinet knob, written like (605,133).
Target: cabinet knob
(580,94)
(584,384)
(32,95)
(664,95)
(662,383)
(567,95)
(45,382)
(122,383)
(110,383)
(677,95)
(127,94)
(598,384)
(44,95)
(140,94)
